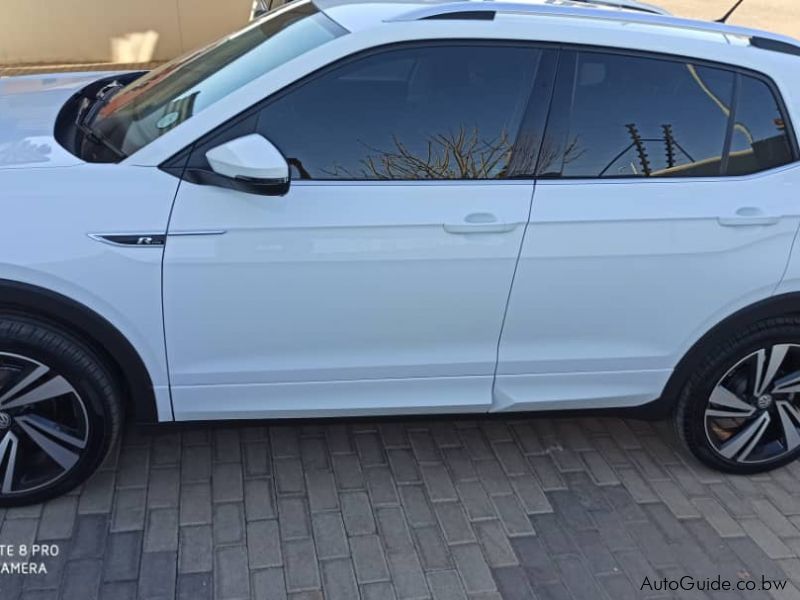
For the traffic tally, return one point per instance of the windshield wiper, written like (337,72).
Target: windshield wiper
(86,117)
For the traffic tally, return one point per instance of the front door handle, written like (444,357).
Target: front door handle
(480,223)
(748,216)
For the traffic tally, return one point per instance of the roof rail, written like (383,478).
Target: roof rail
(627,5)
(440,10)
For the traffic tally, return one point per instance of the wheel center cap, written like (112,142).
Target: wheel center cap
(5,421)
(764,401)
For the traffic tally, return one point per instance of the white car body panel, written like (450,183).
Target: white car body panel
(623,277)
(307,305)
(339,282)
(50,247)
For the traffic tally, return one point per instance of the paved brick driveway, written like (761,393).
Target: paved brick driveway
(484,509)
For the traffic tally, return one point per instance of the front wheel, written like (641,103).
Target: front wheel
(740,411)
(59,411)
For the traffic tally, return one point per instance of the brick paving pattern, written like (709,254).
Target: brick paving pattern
(486,509)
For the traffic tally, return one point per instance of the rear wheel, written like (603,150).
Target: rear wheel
(59,411)
(740,411)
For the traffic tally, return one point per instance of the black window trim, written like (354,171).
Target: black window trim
(736,70)
(177,163)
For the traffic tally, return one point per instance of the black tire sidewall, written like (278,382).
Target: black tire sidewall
(70,358)
(690,413)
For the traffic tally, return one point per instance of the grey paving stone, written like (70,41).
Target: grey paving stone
(294,518)
(762,535)
(163,490)
(433,552)
(475,442)
(338,579)
(444,434)
(475,500)
(403,465)
(82,579)
(377,591)
(530,492)
(460,464)
(357,513)
(438,483)
(166,449)
(446,585)
(381,487)
(512,515)
(196,464)
(227,445)
(58,519)
(512,583)
(263,544)
(289,476)
(118,590)
(98,493)
(231,576)
(547,473)
(257,460)
(88,540)
(511,458)
(416,505)
(370,449)
(196,550)
(472,567)
(493,477)
(322,494)
(314,453)
(369,559)
(157,575)
(770,516)
(393,528)
(717,516)
(347,469)
(129,510)
(259,499)
(161,533)
(454,523)
(195,504)
(675,499)
(122,556)
(195,586)
(226,483)
(407,576)
(577,579)
(268,584)
(495,544)
(285,442)
(329,535)
(424,446)
(301,569)
(133,467)
(228,523)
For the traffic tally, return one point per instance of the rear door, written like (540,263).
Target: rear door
(662,205)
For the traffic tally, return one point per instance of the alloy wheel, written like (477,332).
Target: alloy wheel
(752,415)
(44,425)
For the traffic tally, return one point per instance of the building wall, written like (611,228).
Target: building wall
(66,31)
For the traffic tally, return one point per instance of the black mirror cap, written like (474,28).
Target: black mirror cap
(248,185)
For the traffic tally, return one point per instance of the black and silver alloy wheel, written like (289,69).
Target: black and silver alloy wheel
(44,426)
(753,414)
(60,411)
(739,410)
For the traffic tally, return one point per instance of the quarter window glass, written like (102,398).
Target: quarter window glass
(643,117)
(760,136)
(408,114)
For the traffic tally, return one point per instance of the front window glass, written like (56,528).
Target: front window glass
(169,95)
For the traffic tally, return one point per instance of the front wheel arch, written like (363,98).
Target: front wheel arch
(104,339)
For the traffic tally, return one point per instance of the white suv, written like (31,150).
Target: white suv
(394,208)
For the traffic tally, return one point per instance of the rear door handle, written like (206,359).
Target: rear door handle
(748,216)
(480,223)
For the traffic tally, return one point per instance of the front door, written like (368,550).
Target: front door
(378,284)
(662,206)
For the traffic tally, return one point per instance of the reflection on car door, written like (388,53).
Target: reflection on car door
(378,284)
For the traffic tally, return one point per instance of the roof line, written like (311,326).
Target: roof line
(589,12)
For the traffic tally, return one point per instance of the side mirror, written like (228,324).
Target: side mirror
(248,164)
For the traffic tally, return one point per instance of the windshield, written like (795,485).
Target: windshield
(169,95)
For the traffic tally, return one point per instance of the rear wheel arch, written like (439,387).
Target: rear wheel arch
(104,339)
(775,306)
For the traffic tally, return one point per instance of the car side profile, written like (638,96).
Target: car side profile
(378,208)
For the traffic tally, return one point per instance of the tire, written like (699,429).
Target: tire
(60,411)
(739,411)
